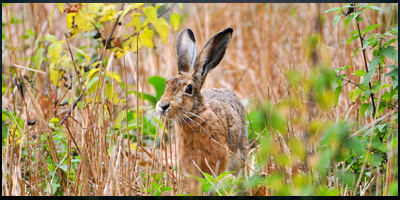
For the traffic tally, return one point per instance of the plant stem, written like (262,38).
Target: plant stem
(366,65)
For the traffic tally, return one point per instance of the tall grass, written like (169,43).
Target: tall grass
(111,143)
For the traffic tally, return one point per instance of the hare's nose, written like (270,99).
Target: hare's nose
(165,107)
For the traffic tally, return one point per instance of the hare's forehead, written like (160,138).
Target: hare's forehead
(178,82)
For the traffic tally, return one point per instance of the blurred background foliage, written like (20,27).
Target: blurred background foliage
(80,81)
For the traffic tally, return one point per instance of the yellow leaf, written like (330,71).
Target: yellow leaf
(54,52)
(66,62)
(151,13)
(60,6)
(114,76)
(161,27)
(83,54)
(92,72)
(55,120)
(55,74)
(82,20)
(119,53)
(136,22)
(51,20)
(138,5)
(146,39)
(107,13)
(133,44)
(95,7)
(70,19)
(175,20)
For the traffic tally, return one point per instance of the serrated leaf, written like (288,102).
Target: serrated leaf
(394,72)
(356,145)
(175,20)
(374,62)
(376,159)
(390,52)
(161,27)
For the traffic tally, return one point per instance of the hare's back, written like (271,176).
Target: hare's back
(225,104)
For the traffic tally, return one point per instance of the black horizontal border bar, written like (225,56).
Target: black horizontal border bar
(203,1)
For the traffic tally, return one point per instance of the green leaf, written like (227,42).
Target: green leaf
(341,68)
(356,145)
(221,176)
(55,186)
(363,108)
(333,9)
(360,72)
(390,52)
(147,97)
(353,95)
(336,19)
(347,177)
(355,51)
(394,72)
(50,38)
(158,83)
(4,131)
(374,7)
(351,17)
(373,63)
(352,38)
(371,27)
(337,94)
(376,159)
(175,20)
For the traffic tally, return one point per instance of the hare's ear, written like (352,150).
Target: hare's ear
(185,50)
(212,53)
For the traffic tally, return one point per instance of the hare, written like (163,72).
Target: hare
(210,124)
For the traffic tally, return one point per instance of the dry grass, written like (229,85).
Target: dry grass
(268,40)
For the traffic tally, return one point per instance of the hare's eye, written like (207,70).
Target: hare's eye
(189,89)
